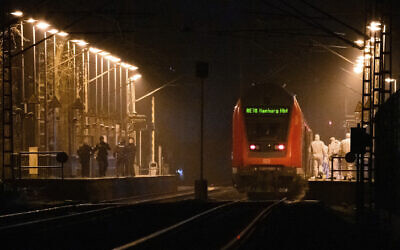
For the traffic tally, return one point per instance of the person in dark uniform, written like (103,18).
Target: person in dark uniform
(102,154)
(130,157)
(120,154)
(84,152)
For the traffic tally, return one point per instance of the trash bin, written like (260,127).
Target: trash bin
(153,168)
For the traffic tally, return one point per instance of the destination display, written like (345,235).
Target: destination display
(267,110)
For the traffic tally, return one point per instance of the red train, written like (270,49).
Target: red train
(270,142)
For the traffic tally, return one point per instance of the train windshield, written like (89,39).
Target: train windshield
(270,129)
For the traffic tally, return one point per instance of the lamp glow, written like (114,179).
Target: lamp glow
(135,77)
(358,70)
(133,68)
(53,31)
(31,20)
(82,43)
(104,53)
(62,33)
(113,58)
(17,13)
(359,42)
(374,26)
(42,25)
(389,80)
(94,50)
(125,65)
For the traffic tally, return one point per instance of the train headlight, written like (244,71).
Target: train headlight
(254,147)
(280,147)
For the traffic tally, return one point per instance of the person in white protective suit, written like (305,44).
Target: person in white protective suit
(334,150)
(325,163)
(344,149)
(317,154)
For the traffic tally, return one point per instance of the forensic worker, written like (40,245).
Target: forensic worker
(344,149)
(317,154)
(334,150)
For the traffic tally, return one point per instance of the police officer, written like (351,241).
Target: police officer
(130,156)
(102,156)
(120,154)
(84,152)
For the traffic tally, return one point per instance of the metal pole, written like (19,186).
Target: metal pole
(46,108)
(22,64)
(134,97)
(75,90)
(85,82)
(95,87)
(120,96)
(87,99)
(130,109)
(69,110)
(102,85)
(54,92)
(201,128)
(115,92)
(34,58)
(74,53)
(127,103)
(96,110)
(153,130)
(108,88)
(23,89)
(159,160)
(35,88)
(140,149)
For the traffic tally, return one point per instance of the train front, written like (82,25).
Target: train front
(268,147)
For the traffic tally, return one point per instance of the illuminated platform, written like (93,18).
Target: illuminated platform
(334,192)
(97,189)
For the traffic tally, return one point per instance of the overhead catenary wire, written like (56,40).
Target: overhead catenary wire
(301,16)
(159,88)
(336,19)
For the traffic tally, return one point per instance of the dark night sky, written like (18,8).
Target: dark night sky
(245,42)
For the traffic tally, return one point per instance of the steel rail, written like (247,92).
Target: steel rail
(176,226)
(137,199)
(249,229)
(109,203)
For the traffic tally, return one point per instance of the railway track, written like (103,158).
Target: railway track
(227,226)
(74,212)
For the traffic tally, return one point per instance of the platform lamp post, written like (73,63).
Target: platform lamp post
(55,106)
(77,108)
(200,186)
(131,90)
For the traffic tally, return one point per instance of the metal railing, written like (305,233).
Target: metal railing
(340,159)
(47,158)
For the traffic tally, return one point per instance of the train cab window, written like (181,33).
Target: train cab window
(267,130)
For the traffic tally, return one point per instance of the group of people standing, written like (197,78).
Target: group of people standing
(322,156)
(124,154)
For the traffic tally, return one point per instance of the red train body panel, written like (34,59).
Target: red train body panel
(270,141)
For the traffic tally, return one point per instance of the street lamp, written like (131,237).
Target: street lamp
(62,34)
(374,26)
(390,80)
(42,25)
(17,13)
(359,42)
(31,20)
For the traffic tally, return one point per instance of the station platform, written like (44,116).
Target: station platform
(334,192)
(97,189)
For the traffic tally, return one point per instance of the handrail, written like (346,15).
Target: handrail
(39,153)
(332,158)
